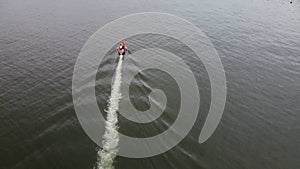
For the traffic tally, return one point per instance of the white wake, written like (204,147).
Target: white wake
(110,141)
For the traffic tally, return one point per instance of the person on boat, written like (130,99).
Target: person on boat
(122,49)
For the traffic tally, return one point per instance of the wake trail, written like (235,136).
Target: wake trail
(106,156)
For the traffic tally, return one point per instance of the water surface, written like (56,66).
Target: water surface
(259,46)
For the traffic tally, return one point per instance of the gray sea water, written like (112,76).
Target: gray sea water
(258,42)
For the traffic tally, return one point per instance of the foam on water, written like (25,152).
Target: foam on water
(110,141)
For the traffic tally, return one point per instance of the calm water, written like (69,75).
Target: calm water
(259,45)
